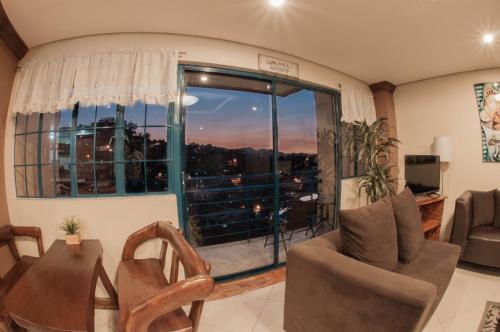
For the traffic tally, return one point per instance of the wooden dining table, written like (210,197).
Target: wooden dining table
(58,292)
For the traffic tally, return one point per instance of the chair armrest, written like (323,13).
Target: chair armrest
(462,220)
(139,317)
(33,232)
(328,291)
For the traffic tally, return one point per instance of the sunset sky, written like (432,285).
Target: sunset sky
(236,119)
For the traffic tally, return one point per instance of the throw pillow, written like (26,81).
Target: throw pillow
(483,207)
(369,234)
(408,224)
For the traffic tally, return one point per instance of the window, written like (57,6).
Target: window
(112,150)
(351,166)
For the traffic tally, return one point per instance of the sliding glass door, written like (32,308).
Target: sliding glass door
(259,167)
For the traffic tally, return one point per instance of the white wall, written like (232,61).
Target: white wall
(112,219)
(446,106)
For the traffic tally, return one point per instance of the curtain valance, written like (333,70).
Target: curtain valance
(99,78)
(357,105)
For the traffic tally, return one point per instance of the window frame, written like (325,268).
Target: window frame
(118,160)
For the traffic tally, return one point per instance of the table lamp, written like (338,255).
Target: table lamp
(443,148)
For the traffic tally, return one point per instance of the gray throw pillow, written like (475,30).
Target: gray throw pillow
(408,224)
(496,213)
(369,234)
(483,207)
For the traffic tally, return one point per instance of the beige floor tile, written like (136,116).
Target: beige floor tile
(433,321)
(238,313)
(271,318)
(262,293)
(480,287)
(105,328)
(455,301)
(208,328)
(109,317)
(467,321)
(278,292)
(434,328)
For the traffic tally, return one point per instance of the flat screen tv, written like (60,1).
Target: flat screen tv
(422,173)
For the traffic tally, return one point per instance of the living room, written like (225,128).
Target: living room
(273,165)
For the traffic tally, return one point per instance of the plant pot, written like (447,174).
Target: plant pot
(73,239)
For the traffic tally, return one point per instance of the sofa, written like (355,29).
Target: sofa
(476,227)
(329,290)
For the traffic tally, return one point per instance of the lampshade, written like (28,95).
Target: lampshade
(443,148)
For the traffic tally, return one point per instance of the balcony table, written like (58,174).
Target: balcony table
(58,292)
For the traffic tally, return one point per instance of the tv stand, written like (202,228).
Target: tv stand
(431,211)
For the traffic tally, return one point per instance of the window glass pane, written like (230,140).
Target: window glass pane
(20,150)
(85,178)
(20,123)
(85,145)
(63,145)
(134,144)
(156,142)
(48,186)
(106,116)
(134,115)
(65,119)
(63,180)
(20,178)
(156,115)
(104,144)
(49,122)
(157,176)
(32,180)
(134,177)
(47,147)
(86,117)
(105,178)
(31,149)
(32,125)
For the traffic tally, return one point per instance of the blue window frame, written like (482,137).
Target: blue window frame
(94,151)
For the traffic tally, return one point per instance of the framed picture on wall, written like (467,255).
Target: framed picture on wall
(488,102)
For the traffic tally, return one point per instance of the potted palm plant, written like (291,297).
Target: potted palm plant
(373,149)
(71,227)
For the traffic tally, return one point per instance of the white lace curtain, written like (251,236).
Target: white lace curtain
(97,78)
(357,105)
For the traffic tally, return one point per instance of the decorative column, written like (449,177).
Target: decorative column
(383,94)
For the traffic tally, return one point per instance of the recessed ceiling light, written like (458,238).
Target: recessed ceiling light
(276,3)
(488,38)
(254,108)
(204,78)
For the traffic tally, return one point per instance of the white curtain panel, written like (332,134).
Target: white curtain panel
(357,104)
(98,78)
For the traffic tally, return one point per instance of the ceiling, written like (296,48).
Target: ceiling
(372,40)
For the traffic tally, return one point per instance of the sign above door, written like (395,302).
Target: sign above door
(278,67)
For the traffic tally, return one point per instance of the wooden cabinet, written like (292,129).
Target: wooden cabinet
(431,210)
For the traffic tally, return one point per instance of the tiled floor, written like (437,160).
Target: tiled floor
(459,311)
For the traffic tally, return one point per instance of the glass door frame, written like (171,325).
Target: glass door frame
(179,158)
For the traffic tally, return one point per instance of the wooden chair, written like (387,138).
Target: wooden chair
(150,302)
(8,233)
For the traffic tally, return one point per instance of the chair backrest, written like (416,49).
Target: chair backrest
(7,238)
(182,253)
(301,214)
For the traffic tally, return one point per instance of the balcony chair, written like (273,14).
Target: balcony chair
(300,217)
(150,302)
(8,233)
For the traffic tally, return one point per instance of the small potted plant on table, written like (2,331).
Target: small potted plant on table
(71,227)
